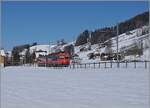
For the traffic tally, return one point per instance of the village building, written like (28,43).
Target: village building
(2,58)
(40,50)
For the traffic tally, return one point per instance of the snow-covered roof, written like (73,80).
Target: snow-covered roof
(23,52)
(9,53)
(2,52)
(40,47)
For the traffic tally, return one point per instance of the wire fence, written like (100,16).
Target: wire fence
(102,64)
(125,64)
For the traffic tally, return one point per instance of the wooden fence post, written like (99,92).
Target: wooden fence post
(111,64)
(73,66)
(126,64)
(134,64)
(145,64)
(118,65)
(99,64)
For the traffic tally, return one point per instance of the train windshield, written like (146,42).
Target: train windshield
(61,57)
(52,57)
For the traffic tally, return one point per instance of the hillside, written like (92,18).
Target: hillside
(103,34)
(133,45)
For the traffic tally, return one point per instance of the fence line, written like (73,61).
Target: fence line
(104,64)
(126,64)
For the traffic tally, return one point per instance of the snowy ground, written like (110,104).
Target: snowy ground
(30,87)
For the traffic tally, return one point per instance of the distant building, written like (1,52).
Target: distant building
(18,53)
(40,50)
(2,58)
(8,58)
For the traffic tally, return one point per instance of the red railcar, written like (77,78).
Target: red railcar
(55,60)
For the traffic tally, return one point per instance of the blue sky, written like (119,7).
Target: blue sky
(44,22)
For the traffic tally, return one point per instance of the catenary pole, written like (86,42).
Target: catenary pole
(117,40)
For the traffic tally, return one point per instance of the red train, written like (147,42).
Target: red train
(61,59)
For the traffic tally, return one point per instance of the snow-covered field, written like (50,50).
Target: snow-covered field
(33,87)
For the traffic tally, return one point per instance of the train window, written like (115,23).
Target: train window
(55,57)
(61,57)
(52,57)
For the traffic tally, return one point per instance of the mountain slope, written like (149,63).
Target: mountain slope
(103,34)
(137,38)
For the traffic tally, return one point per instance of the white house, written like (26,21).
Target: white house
(40,50)
(2,57)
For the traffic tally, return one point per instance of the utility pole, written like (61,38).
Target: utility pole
(49,46)
(117,40)
(50,43)
(90,33)
(89,40)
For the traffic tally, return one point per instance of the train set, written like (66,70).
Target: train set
(54,60)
